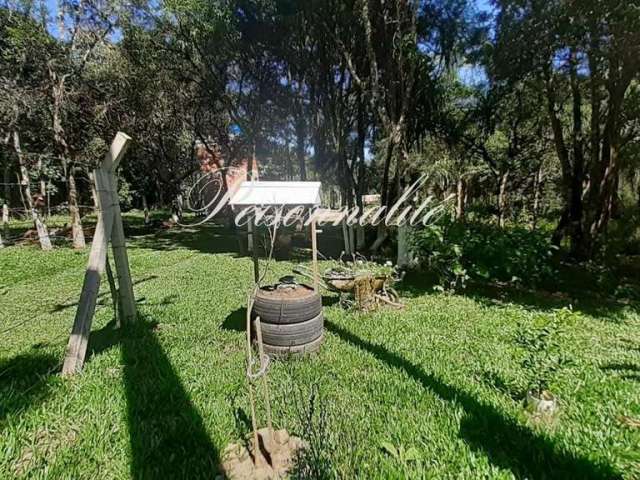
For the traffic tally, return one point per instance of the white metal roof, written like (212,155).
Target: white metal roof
(276,193)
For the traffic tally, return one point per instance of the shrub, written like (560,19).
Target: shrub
(457,252)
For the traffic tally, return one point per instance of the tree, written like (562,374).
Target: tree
(587,54)
(25,45)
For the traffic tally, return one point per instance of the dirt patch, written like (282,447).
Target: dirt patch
(278,453)
(289,292)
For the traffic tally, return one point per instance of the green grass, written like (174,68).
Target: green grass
(163,399)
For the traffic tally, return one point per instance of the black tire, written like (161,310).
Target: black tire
(287,311)
(294,351)
(292,334)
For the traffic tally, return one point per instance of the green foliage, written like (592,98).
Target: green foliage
(360,266)
(400,453)
(541,342)
(439,253)
(457,252)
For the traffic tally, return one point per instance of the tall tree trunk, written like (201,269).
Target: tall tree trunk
(159,192)
(461,195)
(561,152)
(360,169)
(5,205)
(58,93)
(502,199)
(301,133)
(385,197)
(7,189)
(43,187)
(577,178)
(5,220)
(537,195)
(41,228)
(145,208)
(404,255)
(94,193)
(385,173)
(289,164)
(74,212)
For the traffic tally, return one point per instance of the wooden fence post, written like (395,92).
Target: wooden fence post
(108,204)
(120,257)
(314,255)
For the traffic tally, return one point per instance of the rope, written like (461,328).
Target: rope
(264,365)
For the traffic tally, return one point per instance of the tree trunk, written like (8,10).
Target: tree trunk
(461,196)
(43,187)
(41,228)
(385,174)
(386,195)
(177,208)
(300,144)
(160,198)
(537,195)
(404,253)
(502,199)
(94,194)
(5,220)
(145,208)
(7,189)
(359,168)
(74,212)
(5,206)
(576,210)
(345,238)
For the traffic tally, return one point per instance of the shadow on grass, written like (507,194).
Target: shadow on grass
(216,237)
(168,436)
(22,381)
(626,370)
(236,321)
(207,238)
(103,297)
(416,284)
(505,442)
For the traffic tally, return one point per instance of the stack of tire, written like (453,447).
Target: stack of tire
(290,318)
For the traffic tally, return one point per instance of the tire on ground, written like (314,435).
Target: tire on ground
(293,351)
(285,311)
(292,334)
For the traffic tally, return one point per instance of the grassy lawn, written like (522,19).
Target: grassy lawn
(163,399)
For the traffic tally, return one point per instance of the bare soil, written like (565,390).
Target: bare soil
(288,293)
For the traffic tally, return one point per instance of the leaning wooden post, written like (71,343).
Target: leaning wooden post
(314,251)
(107,201)
(256,264)
(120,257)
(77,346)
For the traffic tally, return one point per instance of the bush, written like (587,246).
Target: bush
(541,344)
(458,252)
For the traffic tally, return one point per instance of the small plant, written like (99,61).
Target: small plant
(543,353)
(403,455)
(359,266)
(314,461)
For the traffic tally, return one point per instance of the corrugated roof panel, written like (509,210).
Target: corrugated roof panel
(277,193)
